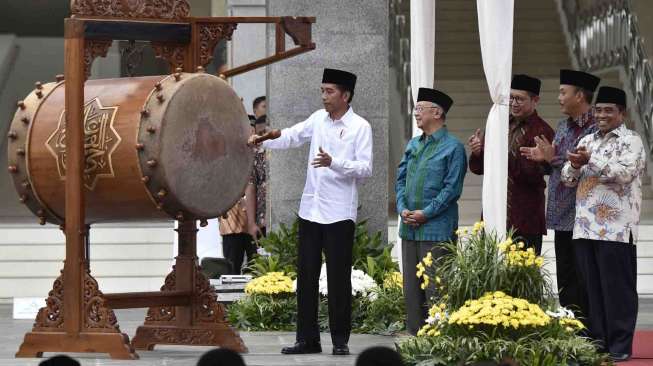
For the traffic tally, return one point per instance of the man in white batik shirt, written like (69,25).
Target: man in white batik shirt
(340,156)
(607,168)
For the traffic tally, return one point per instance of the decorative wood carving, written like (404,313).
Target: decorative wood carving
(209,36)
(94,48)
(207,326)
(183,336)
(164,313)
(97,314)
(298,29)
(50,317)
(175,54)
(150,9)
(207,309)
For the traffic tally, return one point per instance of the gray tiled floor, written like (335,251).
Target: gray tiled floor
(263,346)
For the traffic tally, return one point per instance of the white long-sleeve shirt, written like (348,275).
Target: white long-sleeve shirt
(330,193)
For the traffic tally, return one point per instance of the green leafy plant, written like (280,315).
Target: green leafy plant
(384,315)
(282,247)
(533,349)
(371,255)
(478,263)
(259,312)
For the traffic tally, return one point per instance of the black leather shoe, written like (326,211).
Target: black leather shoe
(301,348)
(341,350)
(619,357)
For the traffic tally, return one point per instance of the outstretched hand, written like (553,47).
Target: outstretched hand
(323,159)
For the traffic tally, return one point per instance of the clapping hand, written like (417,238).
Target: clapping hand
(579,158)
(475,142)
(543,150)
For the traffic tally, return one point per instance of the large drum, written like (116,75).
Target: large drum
(156,148)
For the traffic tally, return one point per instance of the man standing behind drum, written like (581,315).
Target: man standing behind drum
(340,155)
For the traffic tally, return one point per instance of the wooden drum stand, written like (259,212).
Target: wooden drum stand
(78,317)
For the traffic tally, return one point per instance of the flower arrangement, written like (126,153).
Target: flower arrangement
(498,309)
(493,300)
(271,283)
(270,302)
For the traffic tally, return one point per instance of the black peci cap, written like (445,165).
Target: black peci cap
(608,94)
(340,77)
(435,96)
(580,79)
(526,83)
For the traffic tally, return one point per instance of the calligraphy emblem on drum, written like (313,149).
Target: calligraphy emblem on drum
(100,141)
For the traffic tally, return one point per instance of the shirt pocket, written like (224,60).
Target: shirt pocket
(342,141)
(436,169)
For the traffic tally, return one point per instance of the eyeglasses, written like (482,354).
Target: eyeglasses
(517,100)
(420,109)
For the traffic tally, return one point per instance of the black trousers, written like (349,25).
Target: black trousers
(337,241)
(531,241)
(234,248)
(609,274)
(571,293)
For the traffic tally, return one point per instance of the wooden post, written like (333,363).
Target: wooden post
(64,325)
(75,227)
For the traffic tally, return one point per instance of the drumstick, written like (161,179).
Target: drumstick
(270,135)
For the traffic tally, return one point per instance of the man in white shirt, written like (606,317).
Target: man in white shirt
(340,156)
(607,168)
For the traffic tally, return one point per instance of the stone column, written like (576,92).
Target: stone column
(350,35)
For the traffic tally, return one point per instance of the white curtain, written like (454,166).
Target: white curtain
(422,48)
(422,61)
(495,24)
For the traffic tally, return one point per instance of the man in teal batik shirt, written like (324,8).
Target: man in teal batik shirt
(429,183)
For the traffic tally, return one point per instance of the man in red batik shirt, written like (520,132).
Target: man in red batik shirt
(525,177)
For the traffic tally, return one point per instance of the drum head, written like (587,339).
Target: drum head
(204,155)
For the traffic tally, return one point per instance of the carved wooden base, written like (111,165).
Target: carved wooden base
(218,335)
(100,332)
(115,344)
(202,323)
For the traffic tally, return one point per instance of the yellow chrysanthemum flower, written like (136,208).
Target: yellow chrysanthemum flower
(271,283)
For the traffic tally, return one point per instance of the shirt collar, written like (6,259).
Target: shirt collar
(346,118)
(619,131)
(533,117)
(584,119)
(435,137)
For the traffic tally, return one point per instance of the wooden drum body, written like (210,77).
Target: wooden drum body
(156,148)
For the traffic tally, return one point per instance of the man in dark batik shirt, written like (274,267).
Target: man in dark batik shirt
(257,187)
(576,94)
(525,178)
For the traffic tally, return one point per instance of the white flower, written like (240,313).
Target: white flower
(438,317)
(561,312)
(361,283)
